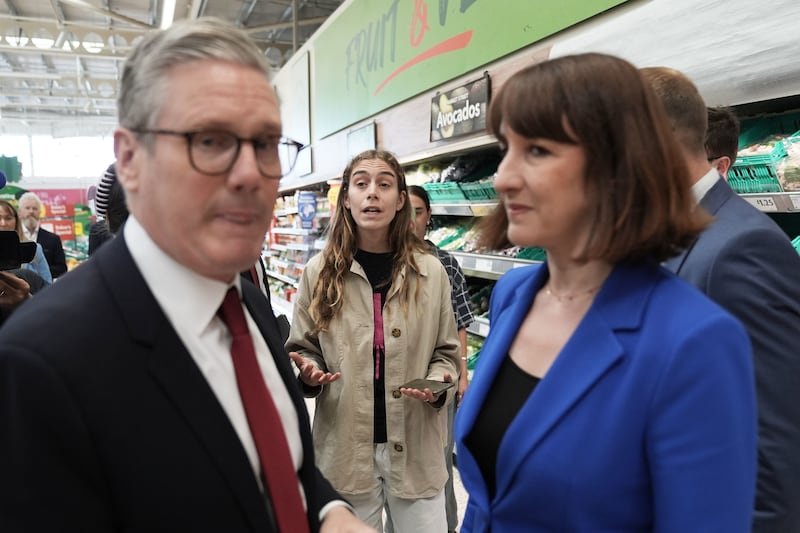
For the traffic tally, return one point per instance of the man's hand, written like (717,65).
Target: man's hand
(13,290)
(310,374)
(341,520)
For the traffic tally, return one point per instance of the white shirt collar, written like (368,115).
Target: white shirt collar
(186,297)
(704,184)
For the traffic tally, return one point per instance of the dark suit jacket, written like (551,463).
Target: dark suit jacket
(53,252)
(747,264)
(107,424)
(646,421)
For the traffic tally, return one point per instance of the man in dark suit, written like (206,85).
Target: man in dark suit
(746,263)
(132,413)
(30,208)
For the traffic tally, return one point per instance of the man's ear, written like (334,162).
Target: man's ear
(723,165)
(127,150)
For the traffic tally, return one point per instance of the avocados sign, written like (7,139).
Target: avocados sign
(461,111)
(377,53)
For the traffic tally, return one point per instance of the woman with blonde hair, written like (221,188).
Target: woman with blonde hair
(372,313)
(9,221)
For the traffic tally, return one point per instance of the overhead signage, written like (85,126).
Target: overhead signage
(460,111)
(377,53)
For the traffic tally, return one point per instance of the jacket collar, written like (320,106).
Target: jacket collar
(712,202)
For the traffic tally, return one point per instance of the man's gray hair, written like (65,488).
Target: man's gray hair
(30,196)
(144,76)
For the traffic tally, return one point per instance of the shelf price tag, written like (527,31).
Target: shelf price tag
(484,265)
(762,203)
(481,210)
(795,199)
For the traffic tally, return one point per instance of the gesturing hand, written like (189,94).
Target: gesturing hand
(310,374)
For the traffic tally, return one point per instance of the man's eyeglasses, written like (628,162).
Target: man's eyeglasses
(215,152)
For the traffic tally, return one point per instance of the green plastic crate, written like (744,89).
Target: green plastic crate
(444,192)
(479,190)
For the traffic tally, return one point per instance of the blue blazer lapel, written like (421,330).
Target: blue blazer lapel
(504,326)
(591,352)
(179,379)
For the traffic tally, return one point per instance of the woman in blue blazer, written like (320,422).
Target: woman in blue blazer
(610,395)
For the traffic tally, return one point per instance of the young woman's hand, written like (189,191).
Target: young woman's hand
(425,394)
(310,374)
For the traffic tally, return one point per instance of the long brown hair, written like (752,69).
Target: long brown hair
(342,244)
(636,179)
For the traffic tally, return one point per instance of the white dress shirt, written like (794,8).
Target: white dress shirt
(704,184)
(191,302)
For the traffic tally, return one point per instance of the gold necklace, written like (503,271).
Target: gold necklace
(565,298)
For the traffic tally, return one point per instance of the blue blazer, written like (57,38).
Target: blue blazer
(747,264)
(646,421)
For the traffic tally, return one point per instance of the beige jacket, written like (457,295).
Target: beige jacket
(423,344)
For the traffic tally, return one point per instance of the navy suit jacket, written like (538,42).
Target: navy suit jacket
(645,421)
(53,251)
(107,424)
(747,264)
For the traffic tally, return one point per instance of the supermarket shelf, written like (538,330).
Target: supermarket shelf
(286,279)
(480,327)
(463,209)
(774,202)
(285,212)
(281,306)
(292,231)
(488,266)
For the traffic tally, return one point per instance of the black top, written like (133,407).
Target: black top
(510,390)
(378,268)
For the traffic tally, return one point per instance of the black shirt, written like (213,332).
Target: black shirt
(510,390)
(378,268)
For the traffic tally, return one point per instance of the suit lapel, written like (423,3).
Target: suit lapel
(173,368)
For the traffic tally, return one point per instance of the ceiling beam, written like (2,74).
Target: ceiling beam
(107,13)
(284,25)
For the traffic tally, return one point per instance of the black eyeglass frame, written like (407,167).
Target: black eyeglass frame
(189,136)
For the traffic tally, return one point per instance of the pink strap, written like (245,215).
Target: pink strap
(377,338)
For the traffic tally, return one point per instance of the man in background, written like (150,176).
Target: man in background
(722,139)
(746,263)
(167,402)
(30,209)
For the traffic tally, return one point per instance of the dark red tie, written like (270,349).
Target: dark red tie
(265,423)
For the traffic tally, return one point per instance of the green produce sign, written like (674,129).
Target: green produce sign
(377,53)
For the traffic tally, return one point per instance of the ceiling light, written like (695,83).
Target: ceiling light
(167,13)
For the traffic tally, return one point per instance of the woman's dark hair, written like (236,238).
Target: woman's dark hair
(421,193)
(636,179)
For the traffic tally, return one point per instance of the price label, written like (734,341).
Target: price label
(762,203)
(795,201)
(484,265)
(481,210)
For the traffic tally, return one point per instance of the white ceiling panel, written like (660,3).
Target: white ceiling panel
(61,60)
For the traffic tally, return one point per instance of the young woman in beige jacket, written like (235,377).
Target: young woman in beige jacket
(373,312)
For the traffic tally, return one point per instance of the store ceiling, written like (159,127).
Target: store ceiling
(61,60)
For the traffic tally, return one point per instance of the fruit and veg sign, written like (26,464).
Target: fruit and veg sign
(461,111)
(377,53)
